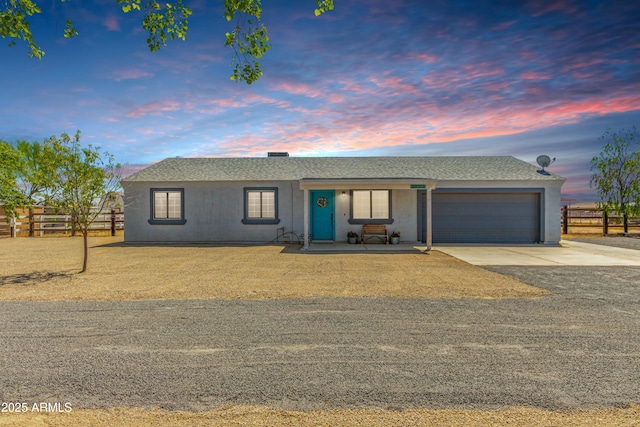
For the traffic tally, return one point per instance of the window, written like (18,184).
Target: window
(261,205)
(371,206)
(167,206)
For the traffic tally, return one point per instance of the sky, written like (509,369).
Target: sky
(372,77)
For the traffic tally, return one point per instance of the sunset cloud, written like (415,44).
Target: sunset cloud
(131,74)
(373,77)
(155,107)
(112,23)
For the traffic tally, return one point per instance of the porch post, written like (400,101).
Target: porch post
(428,219)
(306,220)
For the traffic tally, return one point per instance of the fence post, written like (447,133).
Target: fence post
(113,222)
(31,224)
(605,223)
(565,219)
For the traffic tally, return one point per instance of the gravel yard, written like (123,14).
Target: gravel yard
(45,269)
(616,241)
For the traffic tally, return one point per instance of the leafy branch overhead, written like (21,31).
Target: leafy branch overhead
(167,21)
(248,39)
(14,23)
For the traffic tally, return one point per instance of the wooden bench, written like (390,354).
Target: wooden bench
(374,230)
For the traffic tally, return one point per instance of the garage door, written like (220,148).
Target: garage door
(486,217)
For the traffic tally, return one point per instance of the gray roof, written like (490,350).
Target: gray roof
(296,168)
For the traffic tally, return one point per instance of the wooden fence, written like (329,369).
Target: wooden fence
(591,220)
(42,222)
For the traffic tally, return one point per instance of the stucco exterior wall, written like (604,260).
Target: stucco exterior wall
(213,213)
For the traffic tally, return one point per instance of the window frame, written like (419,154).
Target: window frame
(257,221)
(166,221)
(388,220)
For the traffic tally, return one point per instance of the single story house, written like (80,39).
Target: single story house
(465,199)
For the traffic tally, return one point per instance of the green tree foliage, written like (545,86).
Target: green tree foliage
(11,198)
(35,174)
(86,178)
(36,170)
(616,173)
(28,171)
(168,21)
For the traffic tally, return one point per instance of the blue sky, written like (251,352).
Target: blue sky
(373,77)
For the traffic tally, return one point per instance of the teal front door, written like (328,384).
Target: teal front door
(322,213)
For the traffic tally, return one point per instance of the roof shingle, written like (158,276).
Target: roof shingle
(295,168)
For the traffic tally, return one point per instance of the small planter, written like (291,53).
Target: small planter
(352,240)
(395,238)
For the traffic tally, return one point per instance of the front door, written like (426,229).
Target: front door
(322,213)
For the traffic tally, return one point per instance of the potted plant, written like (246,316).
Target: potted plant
(352,237)
(395,237)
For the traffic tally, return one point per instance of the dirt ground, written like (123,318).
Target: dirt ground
(259,416)
(46,269)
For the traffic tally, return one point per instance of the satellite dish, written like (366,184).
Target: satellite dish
(544,161)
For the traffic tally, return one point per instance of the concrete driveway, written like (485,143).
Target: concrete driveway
(569,253)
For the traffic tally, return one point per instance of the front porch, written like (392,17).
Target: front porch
(335,207)
(374,247)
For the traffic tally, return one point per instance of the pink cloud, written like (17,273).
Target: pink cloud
(112,23)
(476,70)
(350,85)
(155,107)
(355,128)
(532,75)
(422,57)
(297,89)
(204,57)
(504,25)
(541,7)
(224,102)
(335,98)
(132,74)
(215,106)
(207,106)
(496,87)
(146,131)
(396,84)
(582,64)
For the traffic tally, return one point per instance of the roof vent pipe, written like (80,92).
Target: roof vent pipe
(277,154)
